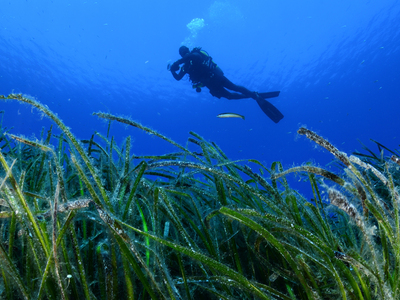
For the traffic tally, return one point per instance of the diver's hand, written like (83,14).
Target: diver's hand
(174,67)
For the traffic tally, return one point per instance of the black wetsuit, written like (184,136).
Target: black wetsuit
(213,78)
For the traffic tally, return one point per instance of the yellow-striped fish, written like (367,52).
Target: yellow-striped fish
(230,115)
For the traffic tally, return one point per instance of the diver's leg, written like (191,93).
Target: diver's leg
(240,89)
(235,96)
(222,92)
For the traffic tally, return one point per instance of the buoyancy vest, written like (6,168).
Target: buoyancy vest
(207,59)
(203,72)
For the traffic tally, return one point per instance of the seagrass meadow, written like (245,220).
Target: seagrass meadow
(89,220)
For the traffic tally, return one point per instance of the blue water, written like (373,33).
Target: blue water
(336,64)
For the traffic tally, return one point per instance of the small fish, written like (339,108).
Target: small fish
(230,115)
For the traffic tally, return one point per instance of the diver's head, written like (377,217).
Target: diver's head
(183,50)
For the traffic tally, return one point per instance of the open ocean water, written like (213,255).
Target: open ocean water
(336,64)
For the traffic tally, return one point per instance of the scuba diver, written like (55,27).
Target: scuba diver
(204,72)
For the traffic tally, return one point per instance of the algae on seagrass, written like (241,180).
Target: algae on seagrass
(207,228)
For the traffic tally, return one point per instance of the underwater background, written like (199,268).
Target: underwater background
(118,182)
(335,63)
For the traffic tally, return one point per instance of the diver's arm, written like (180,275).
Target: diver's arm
(175,67)
(178,76)
(184,60)
(187,58)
